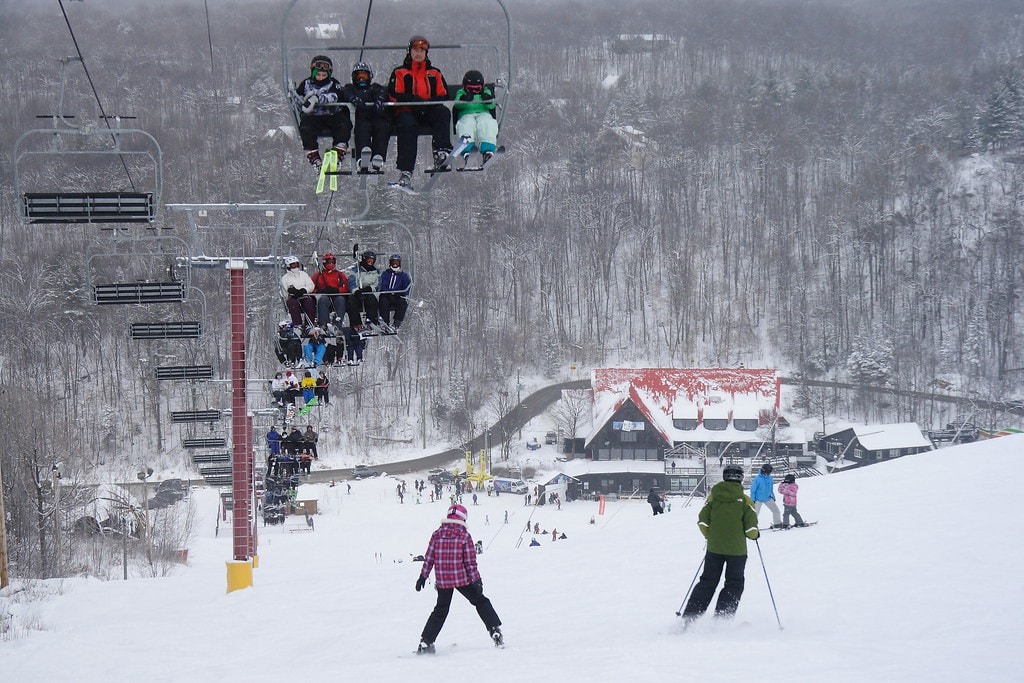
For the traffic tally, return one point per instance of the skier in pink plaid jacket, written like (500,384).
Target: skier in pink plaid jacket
(451,554)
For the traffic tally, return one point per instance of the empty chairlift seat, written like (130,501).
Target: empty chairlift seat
(168,330)
(184,373)
(179,416)
(211,458)
(88,207)
(138,293)
(210,442)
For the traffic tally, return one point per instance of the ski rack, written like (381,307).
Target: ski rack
(502,67)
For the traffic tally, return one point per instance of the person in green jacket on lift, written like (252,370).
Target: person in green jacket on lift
(727,520)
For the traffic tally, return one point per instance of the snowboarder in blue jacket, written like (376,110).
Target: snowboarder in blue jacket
(762,492)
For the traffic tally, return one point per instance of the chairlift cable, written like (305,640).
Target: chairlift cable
(209,39)
(88,76)
(366,28)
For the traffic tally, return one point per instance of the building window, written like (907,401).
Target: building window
(627,436)
(745,425)
(716,425)
(685,424)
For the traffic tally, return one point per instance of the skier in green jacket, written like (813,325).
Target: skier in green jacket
(727,520)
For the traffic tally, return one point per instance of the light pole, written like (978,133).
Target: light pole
(3,534)
(144,474)
(519,400)
(856,437)
(55,478)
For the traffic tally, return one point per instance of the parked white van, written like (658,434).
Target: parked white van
(509,485)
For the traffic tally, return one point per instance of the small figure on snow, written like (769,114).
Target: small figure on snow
(417,80)
(316,118)
(727,520)
(789,488)
(475,115)
(655,500)
(762,492)
(451,553)
(373,124)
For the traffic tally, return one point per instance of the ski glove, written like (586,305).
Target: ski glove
(466,97)
(379,106)
(420,583)
(753,534)
(487,96)
(357,102)
(311,101)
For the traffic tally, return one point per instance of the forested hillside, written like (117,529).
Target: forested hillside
(832,188)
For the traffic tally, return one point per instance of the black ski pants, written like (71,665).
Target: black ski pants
(436,118)
(372,130)
(729,598)
(474,592)
(393,303)
(337,126)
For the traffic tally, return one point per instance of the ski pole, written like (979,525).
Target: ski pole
(686,598)
(779,621)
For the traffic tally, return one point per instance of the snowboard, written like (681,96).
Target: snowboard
(788,528)
(304,411)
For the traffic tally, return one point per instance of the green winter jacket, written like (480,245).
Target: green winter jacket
(728,519)
(466,103)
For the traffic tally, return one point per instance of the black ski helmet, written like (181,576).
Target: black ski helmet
(369,253)
(473,77)
(321,59)
(362,68)
(732,473)
(766,468)
(790,479)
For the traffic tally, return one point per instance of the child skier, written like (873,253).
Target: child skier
(475,116)
(373,124)
(789,488)
(452,555)
(316,119)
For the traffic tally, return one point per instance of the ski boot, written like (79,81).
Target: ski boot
(364,160)
(499,640)
(315,160)
(440,157)
(405,180)
(377,163)
(425,648)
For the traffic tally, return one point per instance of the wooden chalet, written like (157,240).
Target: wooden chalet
(674,429)
(874,443)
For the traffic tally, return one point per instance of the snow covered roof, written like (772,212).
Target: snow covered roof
(902,435)
(580,467)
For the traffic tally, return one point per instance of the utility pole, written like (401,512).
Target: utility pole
(3,533)
(519,398)
(55,479)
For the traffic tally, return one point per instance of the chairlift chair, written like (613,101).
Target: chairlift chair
(499,63)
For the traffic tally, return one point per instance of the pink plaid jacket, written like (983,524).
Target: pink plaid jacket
(451,555)
(788,492)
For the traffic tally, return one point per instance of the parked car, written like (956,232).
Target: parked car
(551,438)
(364,472)
(440,476)
(533,444)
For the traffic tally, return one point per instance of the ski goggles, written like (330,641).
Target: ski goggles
(321,66)
(419,45)
(329,260)
(360,78)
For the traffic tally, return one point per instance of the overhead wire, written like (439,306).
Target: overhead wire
(92,85)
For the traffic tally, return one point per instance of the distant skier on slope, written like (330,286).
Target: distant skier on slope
(727,520)
(451,553)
